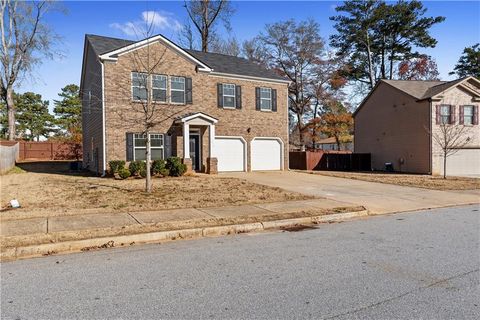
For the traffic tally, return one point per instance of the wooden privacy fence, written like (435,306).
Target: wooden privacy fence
(47,150)
(9,153)
(331,160)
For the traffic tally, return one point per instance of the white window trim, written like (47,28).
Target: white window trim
(471,116)
(268,99)
(184,90)
(225,95)
(151,147)
(132,86)
(158,88)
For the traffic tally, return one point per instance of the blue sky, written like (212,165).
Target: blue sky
(113,18)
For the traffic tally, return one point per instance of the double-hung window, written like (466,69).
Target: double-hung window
(228,95)
(265,99)
(140,146)
(139,86)
(468,115)
(445,114)
(159,88)
(177,89)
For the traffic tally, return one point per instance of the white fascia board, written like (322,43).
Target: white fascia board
(250,78)
(199,115)
(110,56)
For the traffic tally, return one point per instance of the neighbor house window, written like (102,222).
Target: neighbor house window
(265,99)
(177,89)
(468,115)
(228,95)
(140,146)
(445,114)
(159,88)
(139,86)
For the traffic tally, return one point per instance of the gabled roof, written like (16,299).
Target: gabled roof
(110,48)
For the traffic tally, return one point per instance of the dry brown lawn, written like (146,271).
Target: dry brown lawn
(411,180)
(50,194)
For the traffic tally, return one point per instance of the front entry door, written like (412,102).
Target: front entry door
(195,151)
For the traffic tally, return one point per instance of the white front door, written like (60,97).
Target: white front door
(230,153)
(266,154)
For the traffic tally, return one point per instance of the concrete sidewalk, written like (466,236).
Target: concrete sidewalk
(74,223)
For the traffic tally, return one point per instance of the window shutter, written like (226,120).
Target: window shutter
(475,114)
(129,146)
(452,114)
(220,95)
(274,100)
(167,146)
(461,113)
(257,98)
(437,114)
(238,97)
(188,91)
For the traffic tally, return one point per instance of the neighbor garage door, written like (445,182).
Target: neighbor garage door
(266,154)
(230,153)
(465,162)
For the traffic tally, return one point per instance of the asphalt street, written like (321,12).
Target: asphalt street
(403,266)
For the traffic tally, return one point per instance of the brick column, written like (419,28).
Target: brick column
(212,165)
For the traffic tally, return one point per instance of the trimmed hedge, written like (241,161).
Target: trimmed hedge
(124,173)
(136,167)
(116,166)
(175,167)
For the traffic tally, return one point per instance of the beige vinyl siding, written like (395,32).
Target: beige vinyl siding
(392,125)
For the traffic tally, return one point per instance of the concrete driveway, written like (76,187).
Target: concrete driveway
(378,198)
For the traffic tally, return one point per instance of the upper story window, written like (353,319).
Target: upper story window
(139,86)
(228,95)
(265,99)
(445,114)
(468,112)
(140,146)
(159,88)
(177,89)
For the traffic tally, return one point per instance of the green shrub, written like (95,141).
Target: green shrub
(158,166)
(136,166)
(116,166)
(176,167)
(143,172)
(124,173)
(165,172)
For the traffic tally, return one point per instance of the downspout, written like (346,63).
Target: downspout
(430,155)
(104,136)
(287,143)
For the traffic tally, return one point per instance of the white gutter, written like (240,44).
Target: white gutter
(104,133)
(251,78)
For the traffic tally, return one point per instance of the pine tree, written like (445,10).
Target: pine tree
(33,117)
(469,62)
(68,110)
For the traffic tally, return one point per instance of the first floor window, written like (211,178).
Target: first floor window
(468,115)
(265,99)
(140,146)
(139,86)
(159,88)
(445,114)
(177,89)
(228,95)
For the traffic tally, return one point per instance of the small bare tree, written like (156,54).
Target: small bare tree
(25,39)
(149,108)
(204,15)
(450,138)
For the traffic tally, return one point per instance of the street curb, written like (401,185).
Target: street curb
(20,252)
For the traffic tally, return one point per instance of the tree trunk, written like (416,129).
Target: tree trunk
(11,114)
(300,132)
(445,165)
(370,63)
(148,178)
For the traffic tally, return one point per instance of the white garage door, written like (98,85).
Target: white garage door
(465,162)
(266,154)
(230,153)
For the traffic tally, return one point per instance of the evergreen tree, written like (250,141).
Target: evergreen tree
(469,63)
(68,110)
(33,117)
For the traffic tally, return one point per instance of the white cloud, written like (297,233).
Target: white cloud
(155,20)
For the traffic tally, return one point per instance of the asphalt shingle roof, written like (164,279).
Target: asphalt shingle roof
(218,62)
(421,89)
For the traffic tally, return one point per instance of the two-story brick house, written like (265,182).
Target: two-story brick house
(217,111)
(397,123)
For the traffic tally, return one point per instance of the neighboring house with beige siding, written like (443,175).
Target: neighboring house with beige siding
(395,123)
(224,113)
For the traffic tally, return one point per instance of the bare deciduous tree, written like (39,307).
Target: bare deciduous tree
(25,39)
(450,138)
(205,14)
